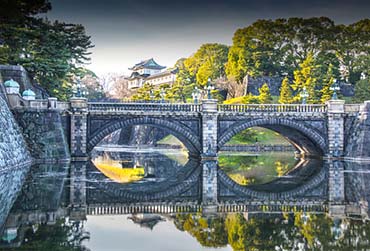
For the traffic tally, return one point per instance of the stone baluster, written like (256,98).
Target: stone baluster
(53,103)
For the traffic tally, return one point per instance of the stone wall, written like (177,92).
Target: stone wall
(44,134)
(15,159)
(359,142)
(253,84)
(13,149)
(136,135)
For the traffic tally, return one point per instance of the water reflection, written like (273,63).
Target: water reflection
(255,169)
(312,206)
(129,167)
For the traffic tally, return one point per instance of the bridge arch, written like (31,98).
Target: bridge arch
(303,137)
(183,133)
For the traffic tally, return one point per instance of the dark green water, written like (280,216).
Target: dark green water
(156,201)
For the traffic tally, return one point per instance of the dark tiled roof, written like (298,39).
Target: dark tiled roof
(149,64)
(163,73)
(137,75)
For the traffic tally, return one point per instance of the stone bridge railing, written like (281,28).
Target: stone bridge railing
(278,108)
(96,107)
(16,101)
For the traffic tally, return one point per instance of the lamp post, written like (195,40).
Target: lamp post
(304,95)
(196,95)
(151,95)
(335,87)
(162,93)
(78,88)
(209,88)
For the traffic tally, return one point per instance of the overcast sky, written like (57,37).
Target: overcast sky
(127,31)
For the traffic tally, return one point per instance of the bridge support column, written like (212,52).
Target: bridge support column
(336,128)
(336,188)
(209,185)
(209,128)
(78,191)
(78,128)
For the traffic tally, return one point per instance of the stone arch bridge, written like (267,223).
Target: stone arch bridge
(334,129)
(204,128)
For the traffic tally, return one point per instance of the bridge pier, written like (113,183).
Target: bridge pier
(78,138)
(336,128)
(336,189)
(209,128)
(209,182)
(78,206)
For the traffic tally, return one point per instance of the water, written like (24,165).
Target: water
(160,200)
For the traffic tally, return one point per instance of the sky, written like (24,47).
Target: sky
(125,32)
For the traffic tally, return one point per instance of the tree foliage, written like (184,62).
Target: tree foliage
(264,94)
(207,62)
(362,90)
(286,96)
(328,81)
(277,47)
(52,52)
(306,77)
(286,231)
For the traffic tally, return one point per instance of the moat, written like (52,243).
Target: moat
(157,199)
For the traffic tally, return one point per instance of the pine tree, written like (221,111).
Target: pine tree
(305,76)
(329,79)
(265,96)
(286,96)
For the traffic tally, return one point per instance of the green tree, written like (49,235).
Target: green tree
(305,77)
(328,81)
(52,52)
(143,93)
(264,94)
(91,85)
(286,96)
(185,82)
(277,47)
(362,90)
(207,62)
(352,49)
(257,50)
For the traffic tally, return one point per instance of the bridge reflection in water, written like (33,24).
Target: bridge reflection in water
(197,197)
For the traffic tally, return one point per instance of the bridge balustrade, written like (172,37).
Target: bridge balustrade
(124,107)
(352,108)
(278,108)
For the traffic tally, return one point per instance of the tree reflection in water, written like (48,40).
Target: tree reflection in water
(286,231)
(64,235)
(56,205)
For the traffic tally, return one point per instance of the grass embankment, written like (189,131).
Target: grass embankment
(169,140)
(258,135)
(246,170)
(247,137)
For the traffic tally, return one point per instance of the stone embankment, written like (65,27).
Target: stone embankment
(44,133)
(15,159)
(13,148)
(358,147)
